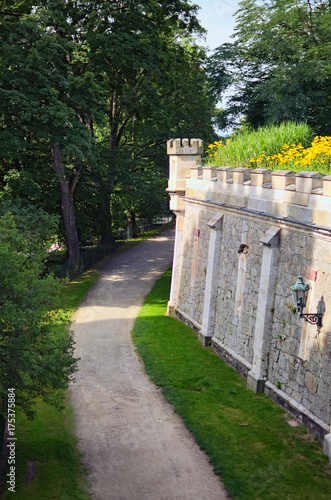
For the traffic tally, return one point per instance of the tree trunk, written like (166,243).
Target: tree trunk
(106,236)
(132,222)
(67,204)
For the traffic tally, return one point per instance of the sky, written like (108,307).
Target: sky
(217,17)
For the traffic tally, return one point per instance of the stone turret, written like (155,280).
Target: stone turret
(184,154)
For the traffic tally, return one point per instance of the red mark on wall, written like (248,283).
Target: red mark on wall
(311,274)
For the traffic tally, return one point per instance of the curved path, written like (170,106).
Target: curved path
(134,446)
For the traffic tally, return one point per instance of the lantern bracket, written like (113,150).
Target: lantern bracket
(313,319)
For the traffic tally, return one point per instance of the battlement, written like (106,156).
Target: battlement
(301,182)
(303,196)
(185,147)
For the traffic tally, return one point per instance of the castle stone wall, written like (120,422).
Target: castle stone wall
(242,238)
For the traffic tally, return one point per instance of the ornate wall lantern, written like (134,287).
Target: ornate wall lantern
(300,293)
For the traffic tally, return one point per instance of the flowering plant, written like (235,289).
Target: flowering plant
(316,157)
(290,157)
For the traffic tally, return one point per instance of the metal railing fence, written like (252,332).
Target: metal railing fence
(90,256)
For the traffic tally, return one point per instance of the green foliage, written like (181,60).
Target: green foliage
(36,358)
(279,63)
(253,449)
(37,227)
(109,85)
(153,86)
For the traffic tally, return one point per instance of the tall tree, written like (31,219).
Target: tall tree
(181,108)
(279,64)
(47,101)
(91,89)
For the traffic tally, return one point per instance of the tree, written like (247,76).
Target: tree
(36,359)
(135,53)
(90,93)
(181,109)
(279,64)
(47,102)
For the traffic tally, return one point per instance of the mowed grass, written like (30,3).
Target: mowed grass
(256,453)
(48,465)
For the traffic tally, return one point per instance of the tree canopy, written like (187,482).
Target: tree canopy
(90,91)
(279,64)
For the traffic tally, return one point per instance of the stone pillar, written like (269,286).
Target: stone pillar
(306,182)
(184,154)
(282,178)
(258,374)
(260,176)
(209,307)
(176,265)
(327,445)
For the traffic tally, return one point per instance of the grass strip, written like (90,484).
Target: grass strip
(256,453)
(145,236)
(48,466)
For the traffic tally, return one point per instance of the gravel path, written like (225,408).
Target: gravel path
(134,446)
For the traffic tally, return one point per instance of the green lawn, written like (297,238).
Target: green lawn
(48,466)
(256,453)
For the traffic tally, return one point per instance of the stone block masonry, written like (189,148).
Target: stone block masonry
(242,238)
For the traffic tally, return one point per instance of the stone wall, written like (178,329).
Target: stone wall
(242,238)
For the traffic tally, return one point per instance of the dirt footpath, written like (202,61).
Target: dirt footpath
(135,447)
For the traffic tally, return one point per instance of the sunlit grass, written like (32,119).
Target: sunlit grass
(144,236)
(256,453)
(238,150)
(47,464)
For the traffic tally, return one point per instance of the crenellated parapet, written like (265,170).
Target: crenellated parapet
(303,196)
(185,147)
(301,182)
